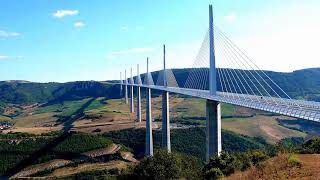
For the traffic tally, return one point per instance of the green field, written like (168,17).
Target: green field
(4,118)
(65,109)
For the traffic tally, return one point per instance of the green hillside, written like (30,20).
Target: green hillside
(298,84)
(24,93)
(190,141)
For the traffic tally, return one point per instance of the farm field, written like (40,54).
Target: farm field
(100,115)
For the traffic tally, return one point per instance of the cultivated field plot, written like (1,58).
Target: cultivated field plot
(100,115)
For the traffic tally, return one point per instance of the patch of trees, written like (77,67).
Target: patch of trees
(190,141)
(165,165)
(227,163)
(14,148)
(14,151)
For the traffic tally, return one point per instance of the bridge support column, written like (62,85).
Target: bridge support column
(138,104)
(126,93)
(131,99)
(165,122)
(121,83)
(213,123)
(149,140)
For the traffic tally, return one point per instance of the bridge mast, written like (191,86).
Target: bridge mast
(121,84)
(138,96)
(213,108)
(131,94)
(126,86)
(165,108)
(149,140)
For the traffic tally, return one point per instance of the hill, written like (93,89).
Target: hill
(302,84)
(26,93)
(298,84)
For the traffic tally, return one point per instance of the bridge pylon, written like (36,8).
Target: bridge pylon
(149,139)
(121,84)
(131,94)
(138,81)
(213,108)
(125,86)
(165,109)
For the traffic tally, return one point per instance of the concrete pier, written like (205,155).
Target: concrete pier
(139,104)
(131,94)
(165,108)
(165,122)
(213,123)
(126,87)
(213,108)
(138,81)
(131,99)
(149,140)
(121,84)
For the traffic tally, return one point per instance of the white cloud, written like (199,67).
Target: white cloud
(115,54)
(78,24)
(10,57)
(63,13)
(231,18)
(8,34)
(125,28)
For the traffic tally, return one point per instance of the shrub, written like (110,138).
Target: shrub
(294,161)
(165,165)
(214,173)
(243,161)
(258,156)
(312,146)
(225,162)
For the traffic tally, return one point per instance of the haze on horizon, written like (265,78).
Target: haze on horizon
(80,40)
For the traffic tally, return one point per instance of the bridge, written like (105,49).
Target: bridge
(243,83)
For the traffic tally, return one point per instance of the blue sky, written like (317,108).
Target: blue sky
(60,40)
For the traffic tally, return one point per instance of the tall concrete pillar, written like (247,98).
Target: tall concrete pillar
(165,109)
(212,71)
(126,87)
(138,95)
(213,108)
(131,94)
(213,123)
(138,104)
(121,84)
(149,140)
(131,99)
(165,122)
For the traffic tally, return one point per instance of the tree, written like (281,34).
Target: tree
(165,165)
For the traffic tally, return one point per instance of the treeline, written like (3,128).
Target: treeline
(28,92)
(190,141)
(174,165)
(15,148)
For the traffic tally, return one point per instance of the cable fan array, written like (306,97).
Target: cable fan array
(239,77)
(170,78)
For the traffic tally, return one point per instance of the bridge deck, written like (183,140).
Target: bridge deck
(294,108)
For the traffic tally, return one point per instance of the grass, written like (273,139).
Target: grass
(283,166)
(227,109)
(4,119)
(260,126)
(96,104)
(64,109)
(294,161)
(109,107)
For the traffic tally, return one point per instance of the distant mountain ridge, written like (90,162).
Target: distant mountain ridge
(303,84)
(16,92)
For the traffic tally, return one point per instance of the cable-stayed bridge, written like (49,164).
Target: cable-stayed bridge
(240,83)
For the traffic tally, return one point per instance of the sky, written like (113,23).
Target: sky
(61,41)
